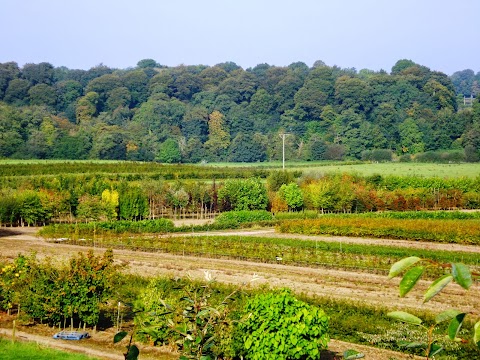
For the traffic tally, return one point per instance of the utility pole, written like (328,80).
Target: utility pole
(284,135)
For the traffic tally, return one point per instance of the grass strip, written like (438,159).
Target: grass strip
(28,350)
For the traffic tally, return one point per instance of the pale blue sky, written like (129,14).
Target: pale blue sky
(373,34)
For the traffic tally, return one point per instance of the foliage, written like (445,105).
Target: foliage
(448,231)
(278,178)
(243,216)
(292,194)
(248,194)
(106,227)
(457,272)
(292,215)
(233,113)
(50,294)
(278,326)
(133,204)
(190,315)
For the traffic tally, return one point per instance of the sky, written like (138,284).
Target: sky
(363,34)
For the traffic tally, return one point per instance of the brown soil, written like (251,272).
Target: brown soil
(366,288)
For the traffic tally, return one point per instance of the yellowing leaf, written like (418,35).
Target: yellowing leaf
(402,265)
(437,286)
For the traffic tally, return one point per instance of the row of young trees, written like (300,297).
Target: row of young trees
(64,294)
(223,112)
(102,199)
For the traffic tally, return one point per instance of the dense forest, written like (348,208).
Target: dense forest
(225,113)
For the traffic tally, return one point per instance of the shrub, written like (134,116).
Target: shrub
(377,155)
(305,214)
(440,156)
(243,216)
(248,194)
(278,326)
(278,178)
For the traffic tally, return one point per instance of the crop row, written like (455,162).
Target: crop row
(284,251)
(129,170)
(446,231)
(432,215)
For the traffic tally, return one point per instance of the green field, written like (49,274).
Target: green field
(367,169)
(470,170)
(402,169)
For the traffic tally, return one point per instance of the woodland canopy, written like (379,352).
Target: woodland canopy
(225,113)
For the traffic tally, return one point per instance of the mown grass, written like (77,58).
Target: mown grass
(28,350)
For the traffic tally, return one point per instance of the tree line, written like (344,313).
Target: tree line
(193,113)
(42,200)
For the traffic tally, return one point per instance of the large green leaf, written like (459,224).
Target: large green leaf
(455,325)
(446,315)
(437,286)
(461,275)
(405,317)
(133,353)
(401,265)
(476,334)
(119,336)
(410,279)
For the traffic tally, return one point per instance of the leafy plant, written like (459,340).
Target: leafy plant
(414,268)
(243,216)
(278,326)
(193,323)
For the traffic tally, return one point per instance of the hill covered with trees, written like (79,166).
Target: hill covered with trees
(225,113)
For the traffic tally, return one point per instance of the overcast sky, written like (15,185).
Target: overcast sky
(373,34)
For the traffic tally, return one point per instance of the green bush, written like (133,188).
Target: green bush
(108,227)
(441,156)
(380,155)
(242,216)
(278,326)
(292,215)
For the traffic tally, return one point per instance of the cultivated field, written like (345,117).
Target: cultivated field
(349,270)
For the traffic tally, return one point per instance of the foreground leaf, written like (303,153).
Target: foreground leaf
(119,336)
(133,353)
(476,334)
(409,280)
(437,286)
(352,354)
(455,325)
(405,317)
(462,276)
(446,315)
(401,265)
(412,345)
